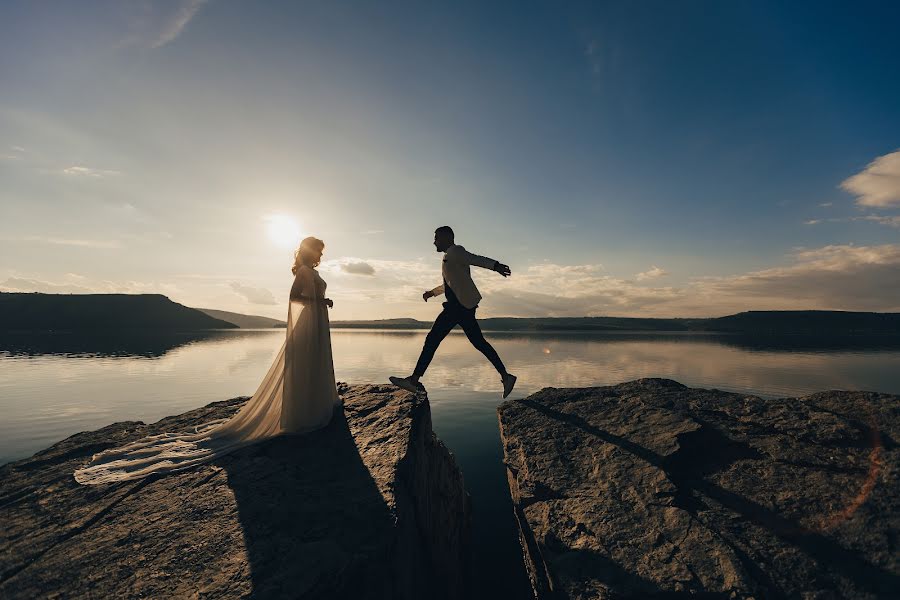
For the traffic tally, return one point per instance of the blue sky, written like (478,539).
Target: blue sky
(627,158)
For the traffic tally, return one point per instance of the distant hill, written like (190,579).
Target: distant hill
(539,324)
(244,321)
(98,312)
(402,323)
(807,322)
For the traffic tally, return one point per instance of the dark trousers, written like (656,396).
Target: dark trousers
(450,317)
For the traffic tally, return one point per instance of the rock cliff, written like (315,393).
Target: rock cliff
(650,489)
(373,506)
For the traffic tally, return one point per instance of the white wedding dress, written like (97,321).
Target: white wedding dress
(297,395)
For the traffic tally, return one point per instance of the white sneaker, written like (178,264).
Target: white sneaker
(407,384)
(509,382)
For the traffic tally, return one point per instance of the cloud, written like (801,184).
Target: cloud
(66,241)
(81,171)
(654,273)
(554,290)
(154,24)
(834,277)
(16,153)
(358,268)
(16,284)
(878,185)
(891,221)
(253,295)
(837,277)
(73,283)
(175,23)
(825,204)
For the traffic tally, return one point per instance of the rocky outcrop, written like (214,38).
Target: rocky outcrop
(373,506)
(650,489)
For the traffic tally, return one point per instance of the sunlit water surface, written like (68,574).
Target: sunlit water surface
(54,386)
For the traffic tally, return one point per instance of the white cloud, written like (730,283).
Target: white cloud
(82,171)
(176,21)
(878,185)
(556,290)
(69,242)
(252,294)
(653,273)
(358,268)
(17,284)
(154,24)
(891,221)
(16,152)
(825,204)
(838,277)
(73,283)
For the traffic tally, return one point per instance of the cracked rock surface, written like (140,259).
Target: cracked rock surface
(650,489)
(372,506)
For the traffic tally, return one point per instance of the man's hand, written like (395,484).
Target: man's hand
(329,302)
(502,269)
(427,295)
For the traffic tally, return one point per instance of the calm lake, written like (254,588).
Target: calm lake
(52,386)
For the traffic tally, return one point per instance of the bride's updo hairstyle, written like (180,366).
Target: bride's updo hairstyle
(306,253)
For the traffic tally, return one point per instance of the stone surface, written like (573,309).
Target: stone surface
(650,489)
(373,506)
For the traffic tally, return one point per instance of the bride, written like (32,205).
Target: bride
(297,395)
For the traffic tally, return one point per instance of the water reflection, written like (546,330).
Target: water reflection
(753,365)
(154,345)
(54,386)
(108,344)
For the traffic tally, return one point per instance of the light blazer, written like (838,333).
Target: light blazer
(458,276)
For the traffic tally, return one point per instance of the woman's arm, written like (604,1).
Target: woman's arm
(300,290)
(303,287)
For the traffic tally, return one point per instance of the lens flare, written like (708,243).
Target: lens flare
(283,231)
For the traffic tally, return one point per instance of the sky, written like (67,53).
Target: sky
(657,159)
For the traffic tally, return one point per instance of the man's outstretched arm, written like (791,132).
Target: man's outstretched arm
(482,261)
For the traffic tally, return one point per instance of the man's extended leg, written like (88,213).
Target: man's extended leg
(444,323)
(473,331)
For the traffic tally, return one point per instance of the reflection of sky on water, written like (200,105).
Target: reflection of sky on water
(53,387)
(575,361)
(44,397)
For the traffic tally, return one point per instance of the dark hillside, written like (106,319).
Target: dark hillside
(96,312)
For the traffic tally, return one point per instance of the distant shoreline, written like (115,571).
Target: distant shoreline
(96,313)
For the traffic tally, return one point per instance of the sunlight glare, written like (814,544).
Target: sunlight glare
(283,231)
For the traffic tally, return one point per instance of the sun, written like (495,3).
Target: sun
(283,231)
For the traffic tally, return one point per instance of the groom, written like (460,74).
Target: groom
(459,309)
